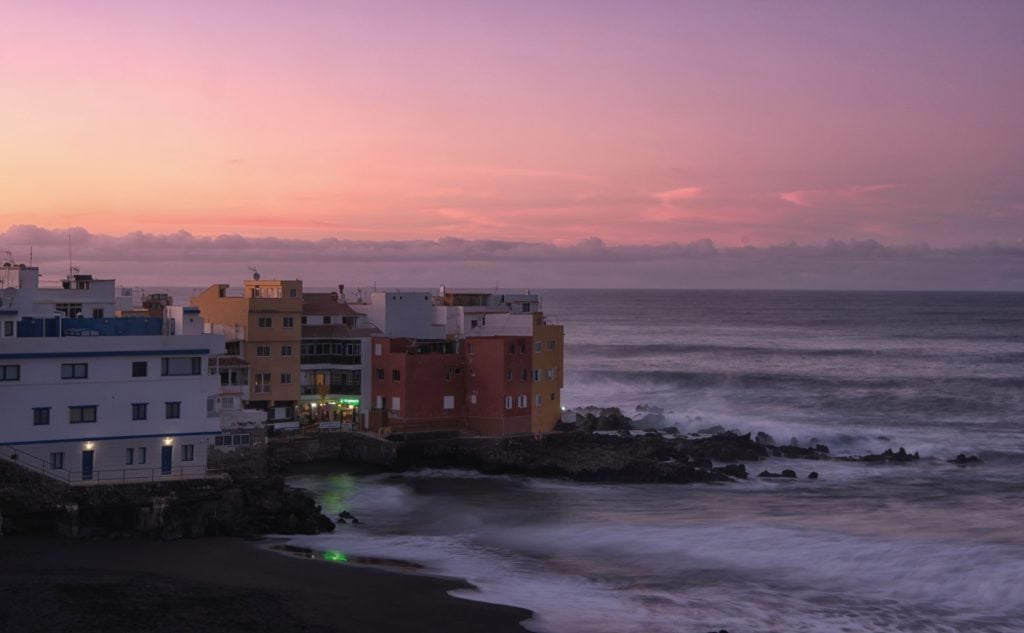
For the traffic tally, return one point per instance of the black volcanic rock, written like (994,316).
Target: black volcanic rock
(900,456)
(963,460)
(813,474)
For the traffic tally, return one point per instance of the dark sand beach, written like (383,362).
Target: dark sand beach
(223,585)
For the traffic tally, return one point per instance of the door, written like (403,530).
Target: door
(86,465)
(165,459)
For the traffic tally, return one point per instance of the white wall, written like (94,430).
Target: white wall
(109,385)
(405,315)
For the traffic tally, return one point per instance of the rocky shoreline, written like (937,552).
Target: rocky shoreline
(32,504)
(605,445)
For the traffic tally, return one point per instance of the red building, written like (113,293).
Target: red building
(480,385)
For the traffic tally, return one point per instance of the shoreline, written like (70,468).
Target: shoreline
(223,585)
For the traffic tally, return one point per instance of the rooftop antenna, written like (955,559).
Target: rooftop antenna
(30,257)
(71,268)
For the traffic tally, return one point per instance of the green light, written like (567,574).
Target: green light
(335,556)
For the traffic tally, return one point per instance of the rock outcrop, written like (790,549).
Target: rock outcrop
(33,504)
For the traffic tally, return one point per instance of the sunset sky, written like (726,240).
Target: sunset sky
(742,123)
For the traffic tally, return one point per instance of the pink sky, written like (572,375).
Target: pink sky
(634,122)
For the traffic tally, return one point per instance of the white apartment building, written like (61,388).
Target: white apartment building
(102,399)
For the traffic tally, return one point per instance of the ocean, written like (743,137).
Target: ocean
(925,546)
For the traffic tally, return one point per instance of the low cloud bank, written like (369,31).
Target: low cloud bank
(182,259)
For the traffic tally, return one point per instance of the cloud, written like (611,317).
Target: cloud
(841,197)
(182,259)
(678,195)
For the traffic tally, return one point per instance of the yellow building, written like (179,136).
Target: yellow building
(548,366)
(263,325)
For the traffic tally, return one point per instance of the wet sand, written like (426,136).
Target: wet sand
(222,585)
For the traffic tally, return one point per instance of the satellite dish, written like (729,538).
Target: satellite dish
(255,274)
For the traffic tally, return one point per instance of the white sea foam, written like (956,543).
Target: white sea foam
(669,562)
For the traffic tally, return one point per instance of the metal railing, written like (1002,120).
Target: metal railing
(34,463)
(109,475)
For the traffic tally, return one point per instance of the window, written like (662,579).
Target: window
(139,410)
(288,321)
(396,375)
(184,366)
(525,307)
(469,348)
(142,454)
(511,348)
(70,310)
(129,456)
(10,372)
(40,416)
(139,368)
(524,375)
(552,372)
(74,371)
(538,346)
(240,439)
(172,410)
(97,313)
(508,402)
(286,379)
(473,323)
(188,452)
(82,414)
(448,374)
(286,350)
(380,374)
(523,401)
(396,404)
(56,461)
(380,402)
(292,292)
(377,349)
(327,320)
(262,384)
(552,396)
(265,322)
(8,328)
(263,350)
(536,375)
(302,320)
(539,400)
(551,346)
(508,375)
(448,402)
(522,347)
(472,398)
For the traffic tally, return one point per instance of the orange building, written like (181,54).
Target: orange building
(262,325)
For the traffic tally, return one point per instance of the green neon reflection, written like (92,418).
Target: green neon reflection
(335,556)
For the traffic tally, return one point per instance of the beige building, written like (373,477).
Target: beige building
(262,324)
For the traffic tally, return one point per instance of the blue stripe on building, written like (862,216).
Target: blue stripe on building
(156,352)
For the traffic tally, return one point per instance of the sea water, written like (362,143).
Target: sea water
(925,546)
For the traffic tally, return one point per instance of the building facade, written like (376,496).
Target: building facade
(261,325)
(103,399)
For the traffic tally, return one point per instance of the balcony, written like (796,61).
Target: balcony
(334,389)
(330,359)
